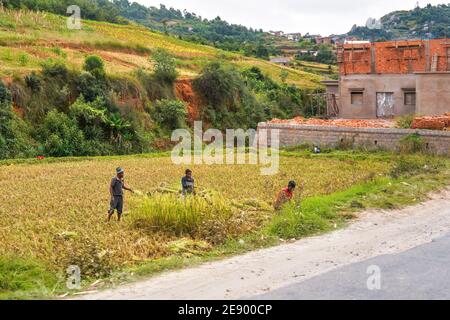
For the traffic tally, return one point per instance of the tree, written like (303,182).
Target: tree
(95,66)
(262,51)
(118,128)
(284,75)
(61,136)
(170,114)
(165,66)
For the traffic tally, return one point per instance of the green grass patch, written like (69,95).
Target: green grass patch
(25,279)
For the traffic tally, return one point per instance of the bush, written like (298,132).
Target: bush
(405,122)
(54,69)
(61,136)
(165,66)
(5,94)
(156,89)
(93,62)
(170,114)
(33,81)
(412,143)
(89,86)
(95,66)
(219,85)
(15,139)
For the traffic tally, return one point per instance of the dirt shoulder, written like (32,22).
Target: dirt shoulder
(373,234)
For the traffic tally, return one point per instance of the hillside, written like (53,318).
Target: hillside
(430,22)
(186,25)
(29,38)
(121,88)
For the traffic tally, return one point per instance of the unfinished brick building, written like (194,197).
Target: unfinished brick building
(387,79)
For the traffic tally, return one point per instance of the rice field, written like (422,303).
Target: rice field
(55,212)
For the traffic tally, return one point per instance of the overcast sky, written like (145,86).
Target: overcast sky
(315,16)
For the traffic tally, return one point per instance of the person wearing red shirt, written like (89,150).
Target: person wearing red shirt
(285,195)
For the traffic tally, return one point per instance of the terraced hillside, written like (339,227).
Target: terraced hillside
(29,38)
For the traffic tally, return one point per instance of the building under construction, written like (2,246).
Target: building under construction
(387,79)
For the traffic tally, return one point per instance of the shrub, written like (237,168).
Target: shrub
(170,114)
(54,68)
(15,140)
(92,63)
(412,143)
(89,86)
(95,66)
(156,89)
(61,136)
(5,94)
(165,66)
(405,122)
(33,82)
(219,85)
(23,59)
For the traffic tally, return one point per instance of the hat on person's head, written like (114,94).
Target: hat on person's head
(119,170)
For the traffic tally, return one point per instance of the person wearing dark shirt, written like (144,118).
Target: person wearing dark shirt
(116,190)
(188,184)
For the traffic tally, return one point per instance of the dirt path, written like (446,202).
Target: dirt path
(374,233)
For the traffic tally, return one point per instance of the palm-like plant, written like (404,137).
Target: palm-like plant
(117,128)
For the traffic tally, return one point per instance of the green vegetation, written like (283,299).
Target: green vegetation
(22,278)
(191,27)
(170,114)
(165,66)
(412,143)
(406,121)
(67,112)
(430,22)
(100,10)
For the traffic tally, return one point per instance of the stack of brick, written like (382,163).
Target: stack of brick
(432,123)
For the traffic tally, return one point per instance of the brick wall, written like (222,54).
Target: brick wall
(437,142)
(394,57)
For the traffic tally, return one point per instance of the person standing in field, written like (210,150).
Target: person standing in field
(188,183)
(285,195)
(116,190)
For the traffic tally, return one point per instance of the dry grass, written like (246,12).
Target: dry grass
(55,212)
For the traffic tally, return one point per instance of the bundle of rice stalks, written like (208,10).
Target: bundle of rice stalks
(170,213)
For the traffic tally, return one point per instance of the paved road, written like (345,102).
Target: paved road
(420,273)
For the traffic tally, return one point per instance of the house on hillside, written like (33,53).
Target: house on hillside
(276,33)
(305,53)
(388,79)
(285,61)
(294,36)
(324,40)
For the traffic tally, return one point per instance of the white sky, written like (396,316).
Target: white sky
(314,16)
